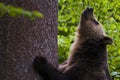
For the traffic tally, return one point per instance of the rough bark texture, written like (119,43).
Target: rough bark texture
(21,39)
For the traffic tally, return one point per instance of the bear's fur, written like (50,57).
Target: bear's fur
(88,54)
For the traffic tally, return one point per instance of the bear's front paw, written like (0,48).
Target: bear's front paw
(39,63)
(40,60)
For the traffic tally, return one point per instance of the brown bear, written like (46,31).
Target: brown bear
(88,54)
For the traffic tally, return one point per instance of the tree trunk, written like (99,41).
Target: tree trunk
(21,39)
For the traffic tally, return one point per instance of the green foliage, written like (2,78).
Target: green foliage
(107,12)
(13,12)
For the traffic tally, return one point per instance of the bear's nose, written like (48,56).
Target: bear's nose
(90,9)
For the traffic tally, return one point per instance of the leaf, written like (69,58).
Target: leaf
(16,11)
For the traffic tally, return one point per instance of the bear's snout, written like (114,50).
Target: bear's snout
(87,13)
(89,9)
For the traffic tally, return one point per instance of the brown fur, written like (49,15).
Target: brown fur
(89,31)
(88,55)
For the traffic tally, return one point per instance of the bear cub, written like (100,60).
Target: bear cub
(88,54)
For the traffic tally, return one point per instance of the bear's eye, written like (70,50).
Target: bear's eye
(95,21)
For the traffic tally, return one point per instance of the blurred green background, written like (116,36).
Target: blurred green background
(106,11)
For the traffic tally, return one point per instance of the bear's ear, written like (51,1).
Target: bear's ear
(107,40)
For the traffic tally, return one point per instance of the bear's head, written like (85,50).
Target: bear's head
(90,28)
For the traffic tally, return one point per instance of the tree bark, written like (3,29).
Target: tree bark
(21,39)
